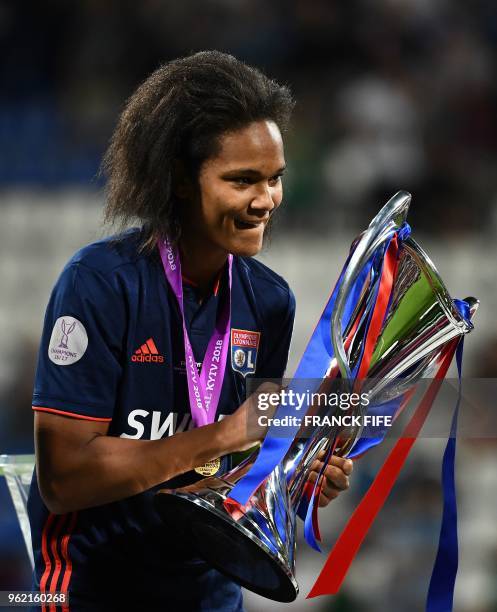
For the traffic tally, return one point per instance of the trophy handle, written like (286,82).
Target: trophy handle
(18,472)
(391,216)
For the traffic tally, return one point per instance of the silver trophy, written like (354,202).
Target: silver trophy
(256,546)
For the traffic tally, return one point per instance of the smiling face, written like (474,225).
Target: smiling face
(239,188)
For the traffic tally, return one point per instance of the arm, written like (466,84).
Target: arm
(79,466)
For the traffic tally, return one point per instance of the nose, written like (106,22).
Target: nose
(265,200)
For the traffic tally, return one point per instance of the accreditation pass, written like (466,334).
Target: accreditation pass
(10,599)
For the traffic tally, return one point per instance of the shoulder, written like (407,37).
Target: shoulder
(103,270)
(267,285)
(106,256)
(262,273)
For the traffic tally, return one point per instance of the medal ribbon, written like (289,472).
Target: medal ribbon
(204,387)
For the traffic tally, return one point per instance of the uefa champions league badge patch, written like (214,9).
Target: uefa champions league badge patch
(244,346)
(68,342)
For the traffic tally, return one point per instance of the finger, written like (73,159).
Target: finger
(267,398)
(329,485)
(330,490)
(317,465)
(346,465)
(313,476)
(332,473)
(337,477)
(326,497)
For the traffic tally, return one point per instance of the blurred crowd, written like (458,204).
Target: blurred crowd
(390,94)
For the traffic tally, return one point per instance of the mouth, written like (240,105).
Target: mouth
(247,225)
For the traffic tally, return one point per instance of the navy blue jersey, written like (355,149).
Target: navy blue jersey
(112,350)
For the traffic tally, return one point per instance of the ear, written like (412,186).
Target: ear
(182,185)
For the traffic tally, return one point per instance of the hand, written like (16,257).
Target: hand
(336,477)
(243,428)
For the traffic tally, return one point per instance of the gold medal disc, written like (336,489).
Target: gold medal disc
(210,468)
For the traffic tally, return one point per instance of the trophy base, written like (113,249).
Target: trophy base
(228,546)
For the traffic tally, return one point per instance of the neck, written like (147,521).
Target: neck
(201,265)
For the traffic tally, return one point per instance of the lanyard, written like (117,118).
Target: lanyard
(204,387)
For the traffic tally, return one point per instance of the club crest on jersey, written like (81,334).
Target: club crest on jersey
(244,347)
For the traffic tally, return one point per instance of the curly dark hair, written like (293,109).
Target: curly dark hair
(178,114)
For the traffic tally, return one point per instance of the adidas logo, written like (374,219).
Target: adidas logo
(147,353)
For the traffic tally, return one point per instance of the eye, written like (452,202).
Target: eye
(241,181)
(274,180)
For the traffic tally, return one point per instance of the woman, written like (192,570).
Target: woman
(122,402)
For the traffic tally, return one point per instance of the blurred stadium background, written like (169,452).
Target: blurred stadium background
(390,94)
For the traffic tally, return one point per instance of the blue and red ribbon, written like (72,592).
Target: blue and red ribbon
(441,590)
(314,364)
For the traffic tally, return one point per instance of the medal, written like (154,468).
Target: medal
(210,468)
